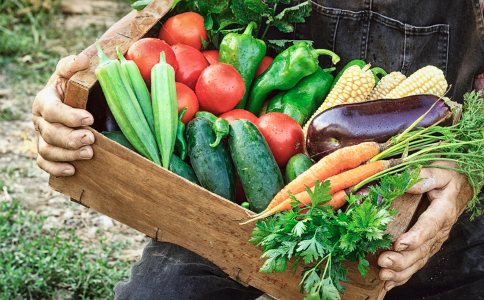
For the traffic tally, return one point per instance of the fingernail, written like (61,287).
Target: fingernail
(386,263)
(387,275)
(390,286)
(86,140)
(67,172)
(86,121)
(401,247)
(84,154)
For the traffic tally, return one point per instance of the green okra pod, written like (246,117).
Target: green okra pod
(125,107)
(165,108)
(138,85)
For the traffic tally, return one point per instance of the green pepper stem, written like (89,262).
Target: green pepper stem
(249,28)
(102,56)
(217,141)
(378,71)
(120,55)
(182,112)
(162,57)
(317,52)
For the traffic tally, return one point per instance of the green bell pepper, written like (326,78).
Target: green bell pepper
(301,101)
(244,53)
(287,69)
(207,115)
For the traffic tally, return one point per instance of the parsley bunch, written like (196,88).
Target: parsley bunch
(322,238)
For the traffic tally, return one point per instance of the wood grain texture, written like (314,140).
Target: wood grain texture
(82,82)
(134,191)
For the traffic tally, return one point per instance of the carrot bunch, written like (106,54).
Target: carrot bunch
(343,168)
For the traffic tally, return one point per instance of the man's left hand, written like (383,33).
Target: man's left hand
(448,192)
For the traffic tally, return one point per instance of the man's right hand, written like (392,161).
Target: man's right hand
(61,138)
(58,140)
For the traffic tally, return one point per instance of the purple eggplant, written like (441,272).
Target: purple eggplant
(378,121)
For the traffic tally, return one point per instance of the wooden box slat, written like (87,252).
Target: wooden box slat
(134,191)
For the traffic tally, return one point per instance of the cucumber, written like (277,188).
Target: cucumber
(212,165)
(257,168)
(296,166)
(181,168)
(120,138)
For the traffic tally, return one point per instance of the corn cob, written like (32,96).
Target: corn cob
(165,107)
(124,106)
(386,85)
(138,85)
(427,80)
(353,86)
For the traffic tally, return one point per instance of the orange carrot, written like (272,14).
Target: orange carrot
(337,201)
(352,177)
(339,161)
(338,184)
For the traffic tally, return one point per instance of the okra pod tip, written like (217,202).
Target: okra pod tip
(102,56)
(162,57)
(120,54)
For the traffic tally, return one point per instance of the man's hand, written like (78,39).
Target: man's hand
(58,140)
(54,122)
(449,193)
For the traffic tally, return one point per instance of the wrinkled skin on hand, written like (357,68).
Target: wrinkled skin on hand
(60,135)
(448,192)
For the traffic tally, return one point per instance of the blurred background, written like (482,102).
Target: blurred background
(50,247)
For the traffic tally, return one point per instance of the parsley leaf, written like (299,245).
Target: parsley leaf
(324,237)
(295,14)
(140,5)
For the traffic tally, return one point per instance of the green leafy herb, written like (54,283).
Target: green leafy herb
(140,5)
(281,45)
(225,16)
(324,237)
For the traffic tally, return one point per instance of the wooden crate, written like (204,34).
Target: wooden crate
(134,191)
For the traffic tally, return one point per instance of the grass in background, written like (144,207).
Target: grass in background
(36,266)
(34,263)
(33,40)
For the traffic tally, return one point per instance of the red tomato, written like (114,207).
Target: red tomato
(264,64)
(146,53)
(191,63)
(186,97)
(219,88)
(211,56)
(186,28)
(236,114)
(283,134)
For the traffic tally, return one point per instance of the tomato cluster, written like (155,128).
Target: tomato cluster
(203,83)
